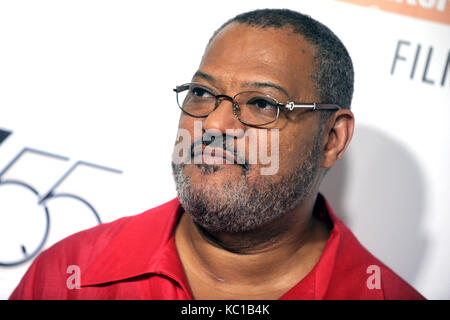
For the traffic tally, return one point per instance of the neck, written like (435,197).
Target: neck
(263,254)
(265,239)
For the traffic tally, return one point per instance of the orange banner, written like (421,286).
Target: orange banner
(433,10)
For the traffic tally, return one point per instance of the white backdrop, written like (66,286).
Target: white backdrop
(79,79)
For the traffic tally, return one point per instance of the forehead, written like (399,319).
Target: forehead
(242,54)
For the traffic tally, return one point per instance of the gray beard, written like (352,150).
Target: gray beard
(242,206)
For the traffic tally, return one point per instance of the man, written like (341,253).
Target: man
(243,226)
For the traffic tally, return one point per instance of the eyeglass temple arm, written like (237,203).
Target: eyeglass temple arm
(315,106)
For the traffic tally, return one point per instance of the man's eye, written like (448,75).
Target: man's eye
(200,92)
(262,104)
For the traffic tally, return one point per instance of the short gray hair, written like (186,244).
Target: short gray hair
(334,74)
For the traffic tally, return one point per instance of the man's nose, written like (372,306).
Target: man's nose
(223,118)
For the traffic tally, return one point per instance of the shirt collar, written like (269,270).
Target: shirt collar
(131,252)
(315,284)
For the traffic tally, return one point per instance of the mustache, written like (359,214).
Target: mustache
(224,142)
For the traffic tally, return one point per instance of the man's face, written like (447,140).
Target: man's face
(232,197)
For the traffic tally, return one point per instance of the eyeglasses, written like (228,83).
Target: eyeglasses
(252,108)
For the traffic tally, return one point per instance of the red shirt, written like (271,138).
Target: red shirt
(136,258)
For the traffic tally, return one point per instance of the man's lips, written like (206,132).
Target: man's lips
(214,155)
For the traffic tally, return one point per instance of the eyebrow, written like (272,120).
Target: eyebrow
(205,76)
(208,77)
(266,85)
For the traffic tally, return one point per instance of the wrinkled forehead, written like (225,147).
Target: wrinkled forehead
(241,54)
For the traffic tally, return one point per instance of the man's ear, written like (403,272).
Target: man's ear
(338,133)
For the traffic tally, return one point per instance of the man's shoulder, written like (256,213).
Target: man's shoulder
(350,271)
(87,248)
(371,278)
(91,241)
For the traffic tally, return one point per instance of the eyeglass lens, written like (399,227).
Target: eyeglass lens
(253,107)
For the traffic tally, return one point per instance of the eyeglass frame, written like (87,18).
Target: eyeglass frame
(288,106)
